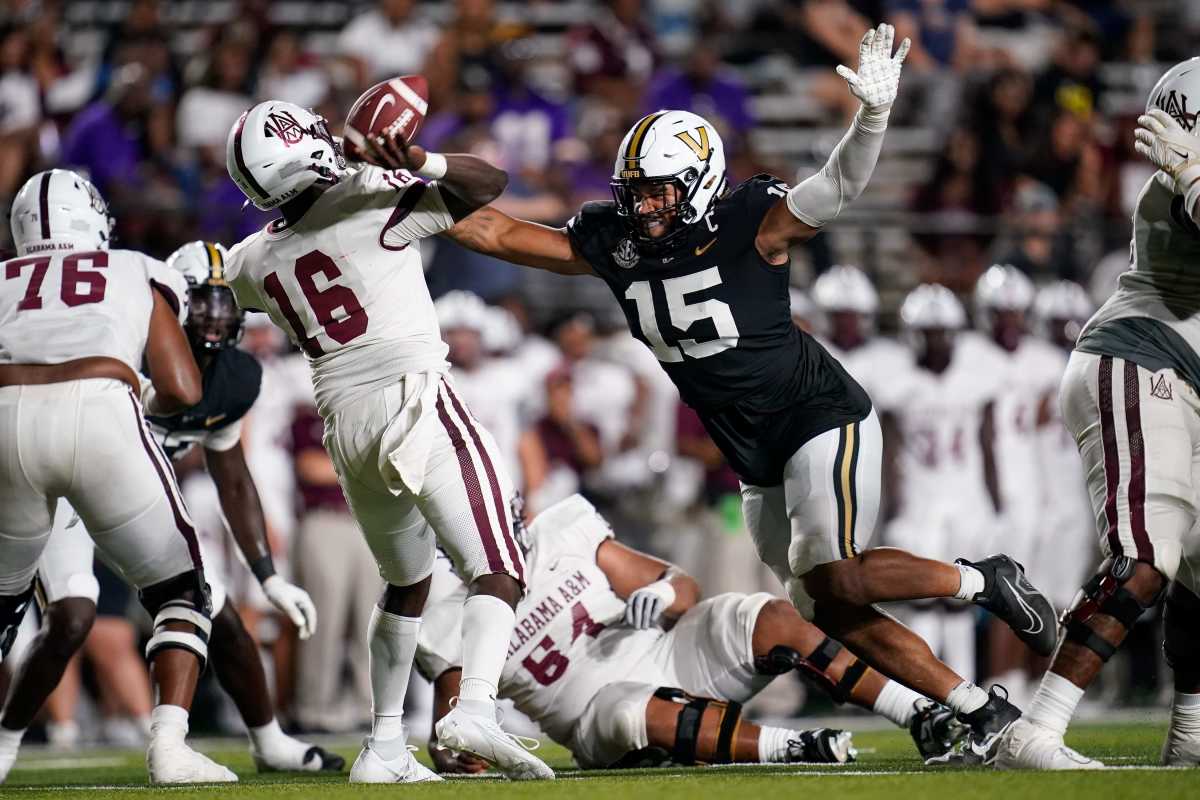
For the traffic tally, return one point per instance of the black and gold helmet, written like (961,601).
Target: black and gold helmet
(211,316)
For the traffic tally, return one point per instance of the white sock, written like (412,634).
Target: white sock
(896,702)
(1054,703)
(773,744)
(970,582)
(486,628)
(966,697)
(11,740)
(1185,715)
(268,737)
(168,722)
(392,645)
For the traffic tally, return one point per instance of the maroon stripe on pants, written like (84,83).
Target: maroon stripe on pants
(181,523)
(514,554)
(474,492)
(1112,463)
(1137,465)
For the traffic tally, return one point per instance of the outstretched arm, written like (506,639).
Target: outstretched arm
(467,182)
(494,233)
(820,198)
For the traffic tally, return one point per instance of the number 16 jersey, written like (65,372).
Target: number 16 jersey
(718,318)
(346,282)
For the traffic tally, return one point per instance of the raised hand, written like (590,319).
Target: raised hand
(1163,140)
(878,76)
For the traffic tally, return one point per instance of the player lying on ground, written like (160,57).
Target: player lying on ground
(1130,398)
(341,274)
(702,276)
(76,319)
(618,659)
(194,283)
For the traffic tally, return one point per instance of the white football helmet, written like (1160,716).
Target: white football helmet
(200,262)
(501,331)
(1063,300)
(669,147)
(1178,93)
(277,150)
(1003,287)
(60,210)
(932,305)
(846,288)
(460,309)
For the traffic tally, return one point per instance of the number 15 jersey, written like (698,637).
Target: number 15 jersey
(718,318)
(346,282)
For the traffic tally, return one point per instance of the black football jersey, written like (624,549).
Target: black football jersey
(231,383)
(718,318)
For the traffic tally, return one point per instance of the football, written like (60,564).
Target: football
(394,107)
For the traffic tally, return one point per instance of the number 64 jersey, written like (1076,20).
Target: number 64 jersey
(346,282)
(718,318)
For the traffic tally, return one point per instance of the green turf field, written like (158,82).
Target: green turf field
(887,769)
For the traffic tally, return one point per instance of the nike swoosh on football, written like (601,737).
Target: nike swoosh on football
(386,101)
(1035,622)
(214,420)
(702,250)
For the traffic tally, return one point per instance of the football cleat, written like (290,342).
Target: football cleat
(1027,745)
(987,724)
(821,746)
(483,737)
(390,762)
(1180,750)
(303,757)
(1009,595)
(934,729)
(175,762)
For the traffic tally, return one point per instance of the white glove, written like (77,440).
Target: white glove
(647,604)
(878,76)
(1176,152)
(294,602)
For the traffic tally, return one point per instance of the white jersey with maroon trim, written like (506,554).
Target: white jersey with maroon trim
(60,306)
(874,362)
(346,282)
(570,640)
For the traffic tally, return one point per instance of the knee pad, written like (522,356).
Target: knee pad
(690,721)
(1181,621)
(1105,594)
(783,659)
(12,611)
(183,598)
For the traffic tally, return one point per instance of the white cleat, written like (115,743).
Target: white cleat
(178,763)
(483,737)
(1026,745)
(1179,750)
(379,764)
(7,759)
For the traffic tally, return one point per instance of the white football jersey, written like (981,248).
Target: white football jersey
(874,362)
(60,306)
(570,639)
(347,285)
(1163,282)
(1033,372)
(939,416)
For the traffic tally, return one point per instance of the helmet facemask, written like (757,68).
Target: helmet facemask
(214,321)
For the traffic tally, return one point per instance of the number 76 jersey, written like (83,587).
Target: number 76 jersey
(346,282)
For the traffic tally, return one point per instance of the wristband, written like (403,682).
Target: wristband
(434,166)
(263,568)
(664,590)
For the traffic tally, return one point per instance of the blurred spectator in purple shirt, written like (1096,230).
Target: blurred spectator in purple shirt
(108,139)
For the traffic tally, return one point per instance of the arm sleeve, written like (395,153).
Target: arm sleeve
(419,212)
(819,198)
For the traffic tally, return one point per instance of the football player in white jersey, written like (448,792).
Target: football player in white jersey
(937,425)
(1130,398)
(68,591)
(76,320)
(616,657)
(849,302)
(339,272)
(1033,367)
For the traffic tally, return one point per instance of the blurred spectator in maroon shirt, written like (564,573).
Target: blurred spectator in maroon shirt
(568,440)
(334,564)
(694,442)
(613,56)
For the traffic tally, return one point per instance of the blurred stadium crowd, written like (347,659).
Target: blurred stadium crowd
(1011,143)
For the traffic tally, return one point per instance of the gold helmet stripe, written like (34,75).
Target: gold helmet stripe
(216,263)
(639,134)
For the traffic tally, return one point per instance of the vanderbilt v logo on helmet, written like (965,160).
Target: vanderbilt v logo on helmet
(209,312)
(668,148)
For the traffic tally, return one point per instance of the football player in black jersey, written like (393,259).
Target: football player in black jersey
(231,380)
(702,276)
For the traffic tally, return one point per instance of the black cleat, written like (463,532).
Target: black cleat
(330,762)
(1009,595)
(821,746)
(988,723)
(935,730)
